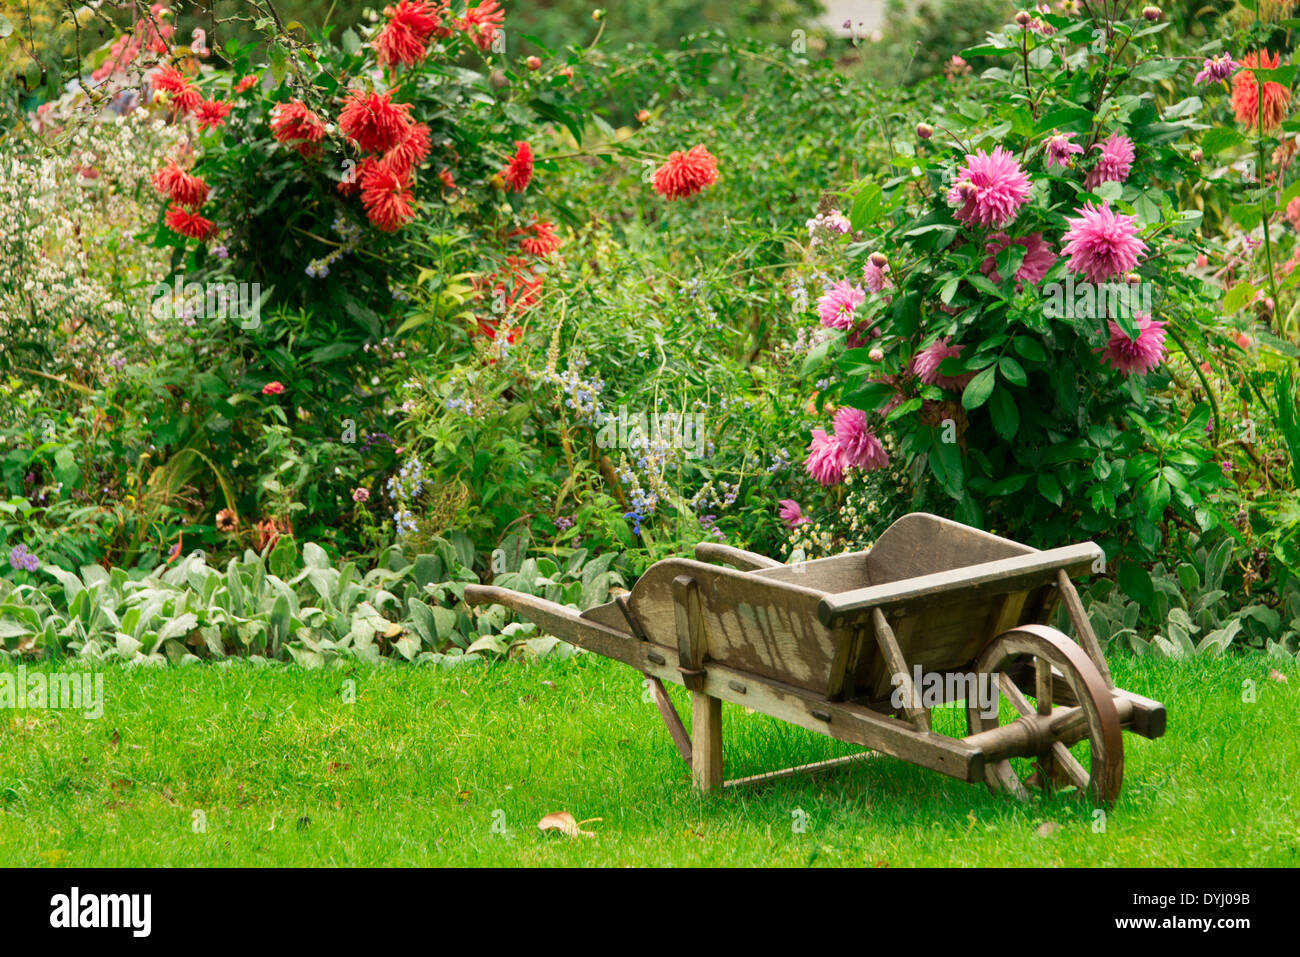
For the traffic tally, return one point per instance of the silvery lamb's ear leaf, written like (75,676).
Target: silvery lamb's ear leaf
(313,556)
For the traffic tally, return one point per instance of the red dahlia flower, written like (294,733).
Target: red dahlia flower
(685,174)
(373,121)
(514,287)
(188,224)
(403,39)
(294,125)
(247,83)
(181,187)
(185,95)
(386,194)
(481,23)
(520,171)
(211,114)
(1245,93)
(412,151)
(540,238)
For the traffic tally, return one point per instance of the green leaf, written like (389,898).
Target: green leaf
(1135,581)
(1030,348)
(1049,488)
(279,62)
(1005,414)
(866,206)
(1013,371)
(1221,138)
(1238,296)
(979,389)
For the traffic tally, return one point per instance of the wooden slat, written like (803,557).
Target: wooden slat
(974,581)
(691,643)
(1082,626)
(735,557)
(843,666)
(918,715)
(671,718)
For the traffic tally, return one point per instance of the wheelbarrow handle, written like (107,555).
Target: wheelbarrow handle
(559,620)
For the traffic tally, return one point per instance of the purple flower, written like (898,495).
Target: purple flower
(1060,149)
(23,560)
(1216,69)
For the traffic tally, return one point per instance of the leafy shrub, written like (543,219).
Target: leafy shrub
(291,605)
(1004,402)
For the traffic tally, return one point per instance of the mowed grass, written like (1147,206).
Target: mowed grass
(456,768)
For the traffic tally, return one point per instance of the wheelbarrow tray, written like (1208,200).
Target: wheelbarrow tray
(832,644)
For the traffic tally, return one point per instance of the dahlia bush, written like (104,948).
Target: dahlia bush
(1015,304)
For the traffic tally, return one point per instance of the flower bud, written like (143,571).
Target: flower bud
(924,130)
(1151,13)
(534,63)
(879,260)
(876,355)
(1024,18)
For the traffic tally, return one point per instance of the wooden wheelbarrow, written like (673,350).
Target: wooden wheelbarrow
(836,645)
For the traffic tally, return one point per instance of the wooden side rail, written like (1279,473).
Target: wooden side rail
(974,581)
(735,557)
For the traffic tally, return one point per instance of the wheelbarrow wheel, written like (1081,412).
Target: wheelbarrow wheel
(1050,659)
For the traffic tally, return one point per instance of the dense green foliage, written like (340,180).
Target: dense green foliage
(439,382)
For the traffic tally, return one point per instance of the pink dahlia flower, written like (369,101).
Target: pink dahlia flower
(791,513)
(837,306)
(1102,243)
(925,364)
(990,188)
(1139,355)
(1060,149)
(825,460)
(1039,258)
(860,446)
(1114,164)
(876,277)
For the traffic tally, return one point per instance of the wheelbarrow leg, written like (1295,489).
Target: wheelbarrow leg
(706,710)
(706,741)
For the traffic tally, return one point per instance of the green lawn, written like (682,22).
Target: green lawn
(456,768)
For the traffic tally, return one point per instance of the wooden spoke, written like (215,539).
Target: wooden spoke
(1018,700)
(1070,764)
(1043,685)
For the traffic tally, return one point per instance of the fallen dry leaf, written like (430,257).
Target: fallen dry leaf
(1276,675)
(1047,829)
(564,823)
